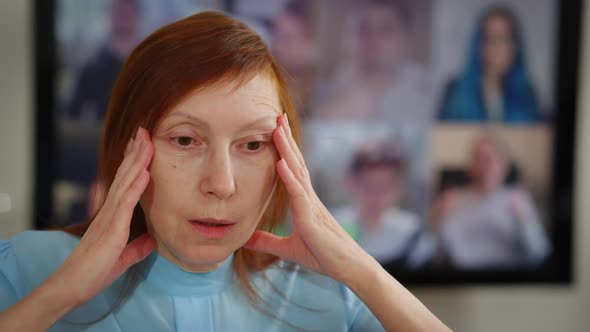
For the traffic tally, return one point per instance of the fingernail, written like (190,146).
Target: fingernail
(282,130)
(137,133)
(141,143)
(286,119)
(128,147)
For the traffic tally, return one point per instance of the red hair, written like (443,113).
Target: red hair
(199,51)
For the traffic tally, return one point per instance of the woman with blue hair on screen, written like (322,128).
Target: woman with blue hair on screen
(494,86)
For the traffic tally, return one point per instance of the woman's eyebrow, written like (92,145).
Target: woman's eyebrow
(268,103)
(265,122)
(198,122)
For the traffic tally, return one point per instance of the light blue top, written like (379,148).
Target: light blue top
(168,298)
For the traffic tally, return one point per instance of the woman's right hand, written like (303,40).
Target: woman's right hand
(103,253)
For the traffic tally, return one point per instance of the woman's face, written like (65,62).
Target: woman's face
(375,189)
(488,166)
(291,43)
(382,37)
(212,173)
(498,46)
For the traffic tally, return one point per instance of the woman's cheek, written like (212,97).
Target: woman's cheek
(176,159)
(259,169)
(259,177)
(168,173)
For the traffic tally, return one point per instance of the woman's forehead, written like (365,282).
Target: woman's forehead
(255,98)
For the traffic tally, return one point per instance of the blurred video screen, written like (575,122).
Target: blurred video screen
(428,124)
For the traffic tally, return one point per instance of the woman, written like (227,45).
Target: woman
(380,82)
(375,218)
(294,47)
(190,200)
(494,86)
(489,224)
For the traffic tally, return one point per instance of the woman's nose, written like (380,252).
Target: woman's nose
(219,178)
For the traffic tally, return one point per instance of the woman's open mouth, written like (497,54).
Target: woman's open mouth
(213,228)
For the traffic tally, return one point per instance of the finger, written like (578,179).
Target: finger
(138,162)
(128,186)
(285,149)
(285,122)
(132,147)
(129,147)
(115,216)
(270,244)
(136,251)
(291,140)
(299,168)
(134,141)
(119,209)
(126,204)
(294,187)
(140,141)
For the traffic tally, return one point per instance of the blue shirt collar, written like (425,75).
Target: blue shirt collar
(172,280)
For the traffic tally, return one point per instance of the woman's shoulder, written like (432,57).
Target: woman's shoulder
(301,284)
(32,256)
(312,292)
(42,245)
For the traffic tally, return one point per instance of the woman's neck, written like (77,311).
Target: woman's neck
(186,266)
(492,85)
(173,279)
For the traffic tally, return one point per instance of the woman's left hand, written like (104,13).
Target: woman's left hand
(318,241)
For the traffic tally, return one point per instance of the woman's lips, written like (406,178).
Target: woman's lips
(212,228)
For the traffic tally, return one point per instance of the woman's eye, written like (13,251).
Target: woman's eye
(183,140)
(254,145)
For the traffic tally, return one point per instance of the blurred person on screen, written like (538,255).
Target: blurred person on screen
(494,85)
(91,93)
(488,223)
(88,103)
(374,217)
(294,48)
(381,82)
